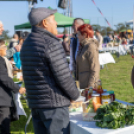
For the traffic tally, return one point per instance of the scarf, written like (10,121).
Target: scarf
(9,67)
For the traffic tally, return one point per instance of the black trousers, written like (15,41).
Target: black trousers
(4,120)
(51,121)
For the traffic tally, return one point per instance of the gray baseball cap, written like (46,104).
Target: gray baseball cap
(38,14)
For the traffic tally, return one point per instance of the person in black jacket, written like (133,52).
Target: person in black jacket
(74,46)
(7,86)
(50,86)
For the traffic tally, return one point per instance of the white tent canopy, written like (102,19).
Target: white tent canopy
(129,22)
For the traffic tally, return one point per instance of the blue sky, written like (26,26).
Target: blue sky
(14,13)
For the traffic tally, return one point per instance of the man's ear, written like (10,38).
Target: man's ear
(44,23)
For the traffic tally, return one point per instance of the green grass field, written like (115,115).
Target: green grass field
(116,78)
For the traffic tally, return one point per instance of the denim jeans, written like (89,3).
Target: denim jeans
(51,121)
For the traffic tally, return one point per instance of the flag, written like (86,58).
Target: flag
(101,13)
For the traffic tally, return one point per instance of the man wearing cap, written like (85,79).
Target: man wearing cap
(50,87)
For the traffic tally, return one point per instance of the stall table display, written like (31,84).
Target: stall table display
(102,114)
(78,126)
(121,49)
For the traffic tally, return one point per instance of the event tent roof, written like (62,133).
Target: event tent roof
(62,21)
(126,30)
(129,22)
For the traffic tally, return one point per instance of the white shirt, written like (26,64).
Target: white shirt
(100,40)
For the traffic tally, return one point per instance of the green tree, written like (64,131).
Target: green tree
(103,30)
(121,26)
(96,27)
(5,35)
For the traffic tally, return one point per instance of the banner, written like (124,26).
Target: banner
(101,13)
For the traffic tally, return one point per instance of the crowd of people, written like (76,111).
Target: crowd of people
(49,79)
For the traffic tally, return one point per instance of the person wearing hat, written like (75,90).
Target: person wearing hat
(50,86)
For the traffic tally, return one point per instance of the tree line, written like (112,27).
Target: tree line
(103,30)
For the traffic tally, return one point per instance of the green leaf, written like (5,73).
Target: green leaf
(123,106)
(121,118)
(98,123)
(104,124)
(122,123)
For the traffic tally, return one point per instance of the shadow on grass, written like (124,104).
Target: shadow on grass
(18,127)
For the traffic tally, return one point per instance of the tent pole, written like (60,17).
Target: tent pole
(69,13)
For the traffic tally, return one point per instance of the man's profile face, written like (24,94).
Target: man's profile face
(75,26)
(1,28)
(52,25)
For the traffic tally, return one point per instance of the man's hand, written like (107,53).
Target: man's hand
(22,90)
(21,78)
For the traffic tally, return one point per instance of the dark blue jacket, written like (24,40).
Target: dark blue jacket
(45,70)
(106,40)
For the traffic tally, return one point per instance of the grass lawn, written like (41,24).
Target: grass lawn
(116,78)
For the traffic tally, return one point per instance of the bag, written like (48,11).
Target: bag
(13,110)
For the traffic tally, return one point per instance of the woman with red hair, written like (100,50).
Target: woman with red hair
(88,67)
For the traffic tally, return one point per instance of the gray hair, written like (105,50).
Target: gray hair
(80,21)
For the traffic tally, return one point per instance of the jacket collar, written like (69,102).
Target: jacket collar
(86,41)
(41,30)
